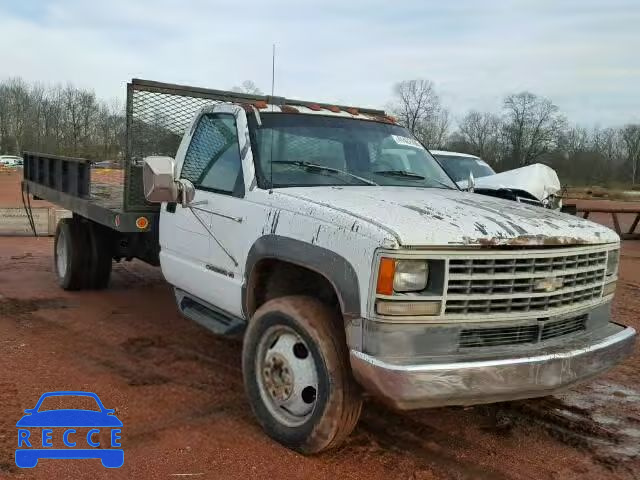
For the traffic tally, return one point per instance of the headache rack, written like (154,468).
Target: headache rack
(157,115)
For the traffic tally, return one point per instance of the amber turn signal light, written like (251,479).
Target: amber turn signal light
(386,272)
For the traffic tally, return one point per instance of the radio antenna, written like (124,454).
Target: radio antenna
(273,82)
(273,70)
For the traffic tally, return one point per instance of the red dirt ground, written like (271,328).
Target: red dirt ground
(178,390)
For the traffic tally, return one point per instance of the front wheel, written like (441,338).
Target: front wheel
(296,374)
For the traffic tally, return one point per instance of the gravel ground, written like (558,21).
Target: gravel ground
(178,390)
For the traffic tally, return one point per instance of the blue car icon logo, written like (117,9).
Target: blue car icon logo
(77,433)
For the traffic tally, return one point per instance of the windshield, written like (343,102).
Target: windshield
(458,168)
(308,150)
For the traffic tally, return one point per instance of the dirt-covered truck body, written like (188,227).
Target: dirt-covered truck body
(283,221)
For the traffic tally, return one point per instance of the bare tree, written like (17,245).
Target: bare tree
(68,120)
(531,127)
(248,86)
(574,140)
(482,132)
(416,102)
(434,131)
(631,139)
(608,143)
(417,107)
(19,105)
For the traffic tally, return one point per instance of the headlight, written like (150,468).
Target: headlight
(401,276)
(411,276)
(613,257)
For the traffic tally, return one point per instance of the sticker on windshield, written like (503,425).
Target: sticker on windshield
(409,142)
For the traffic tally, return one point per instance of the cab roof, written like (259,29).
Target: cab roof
(266,103)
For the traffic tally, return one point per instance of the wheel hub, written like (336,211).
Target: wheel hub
(288,376)
(278,377)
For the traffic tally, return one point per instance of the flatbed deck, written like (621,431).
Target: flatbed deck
(67,182)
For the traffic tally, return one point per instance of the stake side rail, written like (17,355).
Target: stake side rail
(66,182)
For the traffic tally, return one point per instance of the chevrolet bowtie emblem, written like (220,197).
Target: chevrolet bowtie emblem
(550,284)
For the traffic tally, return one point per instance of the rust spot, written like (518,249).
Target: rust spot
(380,118)
(260,104)
(334,109)
(352,111)
(527,240)
(314,106)
(289,109)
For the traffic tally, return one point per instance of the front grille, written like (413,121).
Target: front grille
(564,327)
(521,285)
(527,283)
(523,304)
(525,264)
(544,330)
(491,337)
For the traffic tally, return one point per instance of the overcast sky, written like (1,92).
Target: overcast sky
(583,54)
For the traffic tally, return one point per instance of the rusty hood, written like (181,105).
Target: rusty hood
(433,216)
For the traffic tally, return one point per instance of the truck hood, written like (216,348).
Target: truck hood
(537,179)
(434,216)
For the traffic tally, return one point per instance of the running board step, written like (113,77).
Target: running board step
(210,317)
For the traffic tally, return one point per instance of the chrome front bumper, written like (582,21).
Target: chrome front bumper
(487,381)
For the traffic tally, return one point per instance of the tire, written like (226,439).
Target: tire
(71,254)
(101,256)
(335,404)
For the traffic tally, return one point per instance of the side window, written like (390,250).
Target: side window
(213,158)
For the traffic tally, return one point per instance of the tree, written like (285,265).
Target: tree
(248,86)
(531,127)
(434,131)
(482,132)
(67,121)
(415,103)
(631,138)
(608,143)
(418,108)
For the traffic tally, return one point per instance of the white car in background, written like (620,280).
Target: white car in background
(535,184)
(11,161)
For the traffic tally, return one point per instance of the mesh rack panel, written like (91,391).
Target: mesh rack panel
(156,121)
(157,116)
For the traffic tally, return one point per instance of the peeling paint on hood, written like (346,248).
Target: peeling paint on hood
(439,217)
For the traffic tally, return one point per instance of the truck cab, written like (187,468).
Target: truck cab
(351,273)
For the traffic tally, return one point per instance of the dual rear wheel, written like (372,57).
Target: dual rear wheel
(82,254)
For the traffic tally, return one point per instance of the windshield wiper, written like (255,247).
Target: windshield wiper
(413,176)
(400,173)
(445,185)
(322,168)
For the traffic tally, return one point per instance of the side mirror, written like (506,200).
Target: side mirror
(160,184)
(471,184)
